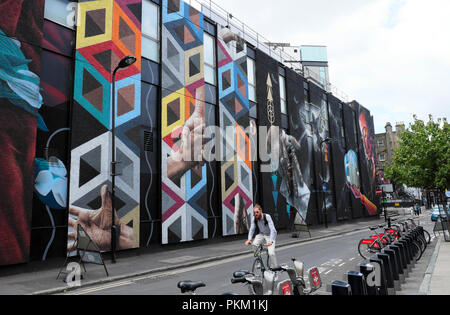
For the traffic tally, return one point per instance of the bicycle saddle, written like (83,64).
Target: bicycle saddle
(190,286)
(279,268)
(241,273)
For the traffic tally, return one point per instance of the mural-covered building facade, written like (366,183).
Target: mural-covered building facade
(188,115)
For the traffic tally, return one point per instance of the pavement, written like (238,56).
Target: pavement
(437,279)
(40,277)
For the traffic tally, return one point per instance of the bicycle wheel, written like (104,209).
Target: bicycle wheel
(257,270)
(427,236)
(368,250)
(419,252)
(423,242)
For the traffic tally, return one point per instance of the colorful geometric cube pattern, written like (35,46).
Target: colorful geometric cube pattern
(184,191)
(236,167)
(108,31)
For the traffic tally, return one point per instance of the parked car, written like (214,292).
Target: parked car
(436,212)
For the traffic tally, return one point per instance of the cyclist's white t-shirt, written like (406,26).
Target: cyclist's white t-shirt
(266,230)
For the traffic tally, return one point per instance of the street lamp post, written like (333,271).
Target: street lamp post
(324,207)
(124,63)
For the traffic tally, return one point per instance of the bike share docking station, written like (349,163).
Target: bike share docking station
(385,272)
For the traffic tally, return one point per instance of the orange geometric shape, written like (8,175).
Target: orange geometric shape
(243,147)
(126,35)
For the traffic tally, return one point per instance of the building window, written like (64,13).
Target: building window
(283,102)
(382,158)
(251,71)
(380,143)
(62,12)
(210,59)
(150,30)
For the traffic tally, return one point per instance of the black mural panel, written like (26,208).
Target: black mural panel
(146,134)
(269,115)
(338,147)
(21,24)
(351,162)
(322,158)
(366,145)
(49,220)
(302,145)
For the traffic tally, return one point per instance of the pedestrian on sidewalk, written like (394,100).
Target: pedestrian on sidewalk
(264,229)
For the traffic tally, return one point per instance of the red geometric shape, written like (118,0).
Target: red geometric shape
(224,57)
(97,56)
(238,190)
(178,202)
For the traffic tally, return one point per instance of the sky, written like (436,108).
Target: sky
(392,56)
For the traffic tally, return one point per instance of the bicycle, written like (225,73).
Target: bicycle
(295,285)
(258,267)
(372,245)
(426,234)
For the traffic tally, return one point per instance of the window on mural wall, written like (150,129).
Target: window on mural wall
(210,58)
(283,102)
(61,12)
(150,30)
(251,71)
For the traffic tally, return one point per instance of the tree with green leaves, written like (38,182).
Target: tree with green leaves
(423,158)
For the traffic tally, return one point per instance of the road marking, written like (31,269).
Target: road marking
(103,287)
(351,259)
(341,264)
(205,265)
(328,271)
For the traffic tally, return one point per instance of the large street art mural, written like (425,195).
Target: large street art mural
(108,31)
(20,101)
(51,168)
(184,173)
(236,153)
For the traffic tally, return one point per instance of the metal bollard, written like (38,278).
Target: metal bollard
(388,265)
(395,267)
(366,270)
(402,246)
(412,250)
(400,262)
(382,288)
(340,288)
(405,245)
(357,283)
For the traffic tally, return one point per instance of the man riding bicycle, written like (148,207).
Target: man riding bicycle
(264,229)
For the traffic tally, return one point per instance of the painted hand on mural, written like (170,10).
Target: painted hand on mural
(97,223)
(227,35)
(190,151)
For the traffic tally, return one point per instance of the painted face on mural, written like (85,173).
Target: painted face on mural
(365,136)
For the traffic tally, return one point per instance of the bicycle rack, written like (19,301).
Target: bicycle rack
(394,264)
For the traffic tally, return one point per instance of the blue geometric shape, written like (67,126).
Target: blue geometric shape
(174,16)
(274,180)
(104,116)
(237,73)
(275,196)
(197,29)
(225,92)
(197,35)
(136,81)
(192,191)
(193,202)
(288,209)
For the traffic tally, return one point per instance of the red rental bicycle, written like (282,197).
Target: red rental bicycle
(372,245)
